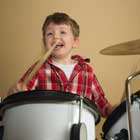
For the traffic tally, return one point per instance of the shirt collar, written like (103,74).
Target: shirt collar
(78,58)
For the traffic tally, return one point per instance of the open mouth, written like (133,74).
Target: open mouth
(60,45)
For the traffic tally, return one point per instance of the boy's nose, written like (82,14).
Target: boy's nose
(56,36)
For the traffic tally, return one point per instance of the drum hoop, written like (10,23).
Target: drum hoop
(41,96)
(117,113)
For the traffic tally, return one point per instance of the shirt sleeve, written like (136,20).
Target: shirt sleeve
(103,106)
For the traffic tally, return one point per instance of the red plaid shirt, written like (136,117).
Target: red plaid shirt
(82,79)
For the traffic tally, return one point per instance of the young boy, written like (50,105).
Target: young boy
(62,71)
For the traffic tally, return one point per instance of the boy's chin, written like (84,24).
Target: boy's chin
(59,56)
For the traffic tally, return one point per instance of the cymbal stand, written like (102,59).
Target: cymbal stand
(128,103)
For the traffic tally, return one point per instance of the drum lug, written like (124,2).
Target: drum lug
(122,135)
(78,132)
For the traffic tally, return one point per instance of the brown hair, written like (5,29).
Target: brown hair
(61,18)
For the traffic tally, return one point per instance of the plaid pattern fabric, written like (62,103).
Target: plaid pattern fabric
(82,81)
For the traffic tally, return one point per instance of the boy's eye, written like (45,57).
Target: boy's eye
(63,32)
(49,33)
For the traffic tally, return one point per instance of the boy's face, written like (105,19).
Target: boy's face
(60,37)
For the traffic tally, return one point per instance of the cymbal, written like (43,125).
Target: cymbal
(126,48)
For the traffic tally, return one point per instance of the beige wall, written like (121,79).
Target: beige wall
(103,23)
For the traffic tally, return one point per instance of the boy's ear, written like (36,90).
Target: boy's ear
(76,42)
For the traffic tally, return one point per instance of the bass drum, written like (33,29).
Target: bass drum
(115,127)
(45,115)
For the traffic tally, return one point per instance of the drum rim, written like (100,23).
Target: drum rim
(117,113)
(32,96)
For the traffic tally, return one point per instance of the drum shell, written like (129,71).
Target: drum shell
(118,119)
(45,119)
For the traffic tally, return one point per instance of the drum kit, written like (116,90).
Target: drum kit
(54,115)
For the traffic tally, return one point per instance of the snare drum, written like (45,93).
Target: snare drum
(45,115)
(116,124)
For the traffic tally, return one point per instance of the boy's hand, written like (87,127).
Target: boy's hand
(21,87)
(18,88)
